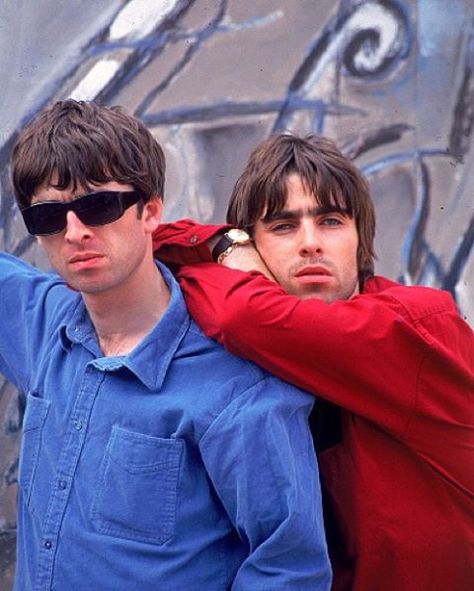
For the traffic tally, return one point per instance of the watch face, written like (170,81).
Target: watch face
(238,236)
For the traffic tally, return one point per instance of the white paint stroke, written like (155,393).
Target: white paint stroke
(95,80)
(139,18)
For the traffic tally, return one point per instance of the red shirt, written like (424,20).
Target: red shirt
(397,458)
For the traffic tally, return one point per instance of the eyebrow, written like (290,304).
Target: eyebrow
(294,214)
(68,200)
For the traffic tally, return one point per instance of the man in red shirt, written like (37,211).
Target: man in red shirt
(393,366)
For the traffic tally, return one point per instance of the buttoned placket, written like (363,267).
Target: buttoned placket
(68,460)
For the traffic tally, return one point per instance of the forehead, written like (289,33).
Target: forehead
(50,192)
(50,189)
(300,198)
(298,194)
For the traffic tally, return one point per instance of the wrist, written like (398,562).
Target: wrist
(231,239)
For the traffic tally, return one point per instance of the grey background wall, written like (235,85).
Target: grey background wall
(392,81)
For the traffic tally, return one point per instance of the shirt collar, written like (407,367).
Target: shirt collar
(149,361)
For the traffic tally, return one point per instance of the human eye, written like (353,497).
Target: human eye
(332,220)
(282,227)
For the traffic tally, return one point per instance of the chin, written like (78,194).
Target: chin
(325,296)
(318,296)
(311,295)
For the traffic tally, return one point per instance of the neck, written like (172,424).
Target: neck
(122,318)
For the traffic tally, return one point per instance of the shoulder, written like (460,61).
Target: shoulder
(223,362)
(415,302)
(14,268)
(431,312)
(30,289)
(13,264)
(238,376)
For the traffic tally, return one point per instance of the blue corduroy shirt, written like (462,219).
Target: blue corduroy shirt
(175,467)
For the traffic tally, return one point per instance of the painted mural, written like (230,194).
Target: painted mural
(392,81)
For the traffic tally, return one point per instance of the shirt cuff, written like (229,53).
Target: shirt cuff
(185,241)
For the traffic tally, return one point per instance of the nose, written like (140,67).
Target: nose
(76,231)
(310,239)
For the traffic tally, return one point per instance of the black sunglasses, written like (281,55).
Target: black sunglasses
(94,209)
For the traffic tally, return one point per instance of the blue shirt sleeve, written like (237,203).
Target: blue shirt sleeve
(259,455)
(31,305)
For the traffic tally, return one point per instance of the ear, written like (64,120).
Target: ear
(152,214)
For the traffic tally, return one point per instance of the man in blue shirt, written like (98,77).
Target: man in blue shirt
(151,458)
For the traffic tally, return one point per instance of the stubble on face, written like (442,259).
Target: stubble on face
(311,251)
(96,259)
(340,288)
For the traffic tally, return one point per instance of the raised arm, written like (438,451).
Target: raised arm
(23,324)
(391,343)
(260,458)
(187,242)
(352,353)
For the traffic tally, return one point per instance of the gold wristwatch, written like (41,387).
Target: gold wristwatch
(232,238)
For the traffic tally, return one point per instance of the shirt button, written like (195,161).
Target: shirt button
(78,425)
(62,484)
(48,545)
(193,239)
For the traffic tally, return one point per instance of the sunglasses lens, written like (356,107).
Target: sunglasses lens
(98,209)
(94,209)
(45,218)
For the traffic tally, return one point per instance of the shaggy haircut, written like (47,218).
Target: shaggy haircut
(261,190)
(79,143)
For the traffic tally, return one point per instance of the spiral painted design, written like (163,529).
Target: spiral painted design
(377,35)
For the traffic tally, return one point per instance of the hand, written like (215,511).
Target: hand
(247,258)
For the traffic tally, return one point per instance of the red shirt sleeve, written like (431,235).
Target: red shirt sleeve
(350,352)
(184,242)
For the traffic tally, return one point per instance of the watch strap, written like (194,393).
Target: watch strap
(222,245)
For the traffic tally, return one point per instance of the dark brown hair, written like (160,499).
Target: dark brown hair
(261,189)
(83,143)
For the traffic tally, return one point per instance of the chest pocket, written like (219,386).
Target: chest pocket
(137,487)
(33,422)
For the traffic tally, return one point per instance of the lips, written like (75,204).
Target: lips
(313,274)
(84,258)
(313,270)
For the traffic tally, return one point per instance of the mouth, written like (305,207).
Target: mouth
(313,274)
(84,259)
